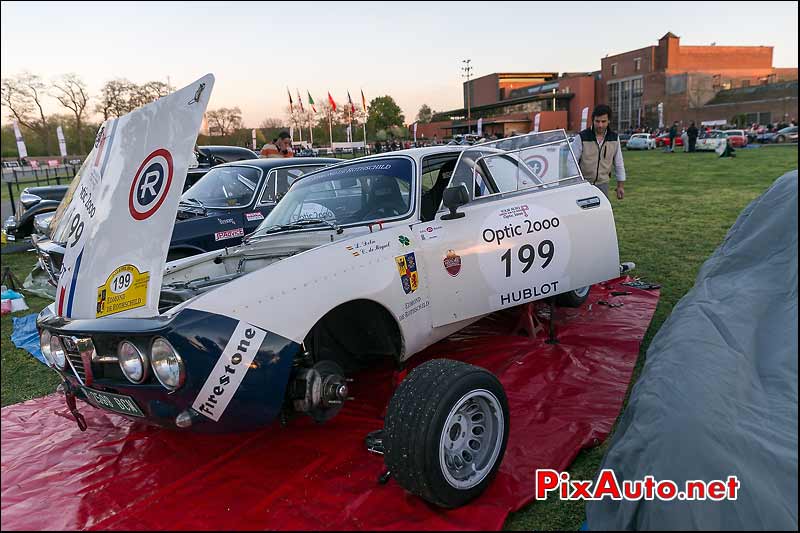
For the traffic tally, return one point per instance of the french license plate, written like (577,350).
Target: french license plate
(113,402)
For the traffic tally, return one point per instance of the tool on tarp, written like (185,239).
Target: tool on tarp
(620,293)
(639,284)
(609,304)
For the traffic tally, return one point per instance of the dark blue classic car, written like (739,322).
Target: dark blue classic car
(231,200)
(226,204)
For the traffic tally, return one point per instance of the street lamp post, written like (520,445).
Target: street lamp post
(467,69)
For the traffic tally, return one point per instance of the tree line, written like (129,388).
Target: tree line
(25,96)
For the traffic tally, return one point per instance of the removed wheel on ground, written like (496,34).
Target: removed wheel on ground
(574,298)
(446,431)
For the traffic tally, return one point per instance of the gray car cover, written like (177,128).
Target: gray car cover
(718,392)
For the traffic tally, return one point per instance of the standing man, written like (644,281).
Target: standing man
(598,150)
(693,133)
(673,134)
(280,147)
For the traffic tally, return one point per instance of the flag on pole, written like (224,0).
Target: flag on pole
(311,102)
(62,142)
(291,104)
(350,101)
(23,150)
(300,101)
(330,100)
(584,118)
(480,128)
(536,121)
(363,101)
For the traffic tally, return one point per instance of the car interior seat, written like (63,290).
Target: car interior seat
(385,197)
(432,198)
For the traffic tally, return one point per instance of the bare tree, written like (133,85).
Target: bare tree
(71,92)
(224,121)
(271,123)
(149,92)
(116,98)
(23,95)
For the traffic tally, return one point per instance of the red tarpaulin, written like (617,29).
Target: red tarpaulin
(121,474)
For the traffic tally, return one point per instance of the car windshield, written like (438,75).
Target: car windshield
(224,187)
(640,136)
(734,133)
(349,194)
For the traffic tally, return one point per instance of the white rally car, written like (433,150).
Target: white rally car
(370,260)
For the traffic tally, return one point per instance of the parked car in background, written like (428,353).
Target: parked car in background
(738,138)
(641,141)
(788,134)
(708,142)
(663,140)
(211,156)
(227,203)
(32,201)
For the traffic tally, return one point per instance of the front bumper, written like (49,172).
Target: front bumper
(10,229)
(200,339)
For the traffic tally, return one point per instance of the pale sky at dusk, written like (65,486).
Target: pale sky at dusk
(411,51)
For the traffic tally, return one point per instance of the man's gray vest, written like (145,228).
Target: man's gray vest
(598,160)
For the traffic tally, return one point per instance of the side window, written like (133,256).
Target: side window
(280,179)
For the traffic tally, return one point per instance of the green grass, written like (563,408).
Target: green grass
(23,377)
(677,209)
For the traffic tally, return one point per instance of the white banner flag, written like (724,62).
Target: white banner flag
(584,118)
(23,151)
(480,127)
(291,132)
(661,115)
(254,139)
(415,132)
(129,185)
(62,142)
(536,122)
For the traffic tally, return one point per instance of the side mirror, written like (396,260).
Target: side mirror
(453,198)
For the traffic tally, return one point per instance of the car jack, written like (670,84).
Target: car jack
(69,397)
(551,338)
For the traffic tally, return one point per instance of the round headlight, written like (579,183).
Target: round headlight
(57,353)
(167,364)
(44,344)
(132,362)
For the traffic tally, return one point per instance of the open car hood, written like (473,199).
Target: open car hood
(117,218)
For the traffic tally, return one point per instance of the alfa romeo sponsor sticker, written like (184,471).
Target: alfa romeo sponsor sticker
(229,234)
(254,216)
(125,289)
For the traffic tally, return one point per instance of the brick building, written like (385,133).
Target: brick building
(683,78)
(509,102)
(690,81)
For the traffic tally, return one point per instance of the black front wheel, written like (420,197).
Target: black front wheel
(574,298)
(446,431)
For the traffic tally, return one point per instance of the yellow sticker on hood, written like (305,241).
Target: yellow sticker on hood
(125,289)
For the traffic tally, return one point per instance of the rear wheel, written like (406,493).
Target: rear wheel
(446,431)
(780,139)
(574,298)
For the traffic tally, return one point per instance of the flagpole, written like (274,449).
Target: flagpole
(330,128)
(365,132)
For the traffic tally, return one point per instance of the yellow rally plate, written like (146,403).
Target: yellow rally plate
(125,289)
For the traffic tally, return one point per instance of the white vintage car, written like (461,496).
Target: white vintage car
(711,141)
(365,262)
(641,141)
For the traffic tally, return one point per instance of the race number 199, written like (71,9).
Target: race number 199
(526,254)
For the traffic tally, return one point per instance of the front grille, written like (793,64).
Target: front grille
(75,359)
(77,366)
